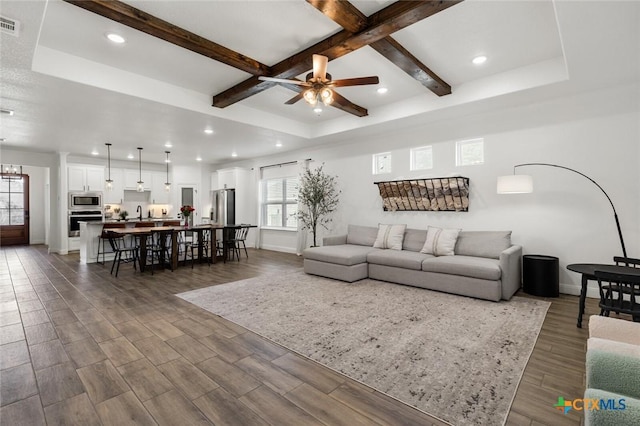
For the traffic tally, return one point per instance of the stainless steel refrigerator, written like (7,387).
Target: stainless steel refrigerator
(223,207)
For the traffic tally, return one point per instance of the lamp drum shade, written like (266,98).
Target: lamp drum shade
(515,184)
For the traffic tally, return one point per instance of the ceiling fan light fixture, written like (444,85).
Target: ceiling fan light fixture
(311,97)
(326,95)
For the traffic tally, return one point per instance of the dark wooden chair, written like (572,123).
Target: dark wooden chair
(627,261)
(102,238)
(123,253)
(239,239)
(619,293)
(192,247)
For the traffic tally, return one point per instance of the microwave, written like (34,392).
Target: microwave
(85,200)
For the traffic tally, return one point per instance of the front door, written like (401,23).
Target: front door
(14,209)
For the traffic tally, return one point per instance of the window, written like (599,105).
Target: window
(422,158)
(470,152)
(382,163)
(279,202)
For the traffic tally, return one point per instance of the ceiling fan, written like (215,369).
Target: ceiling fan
(319,83)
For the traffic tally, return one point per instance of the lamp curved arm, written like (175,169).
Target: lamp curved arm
(615,214)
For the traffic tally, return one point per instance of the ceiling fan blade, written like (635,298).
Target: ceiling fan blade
(358,81)
(320,67)
(295,99)
(283,80)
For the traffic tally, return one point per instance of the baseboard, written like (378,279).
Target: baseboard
(574,289)
(283,249)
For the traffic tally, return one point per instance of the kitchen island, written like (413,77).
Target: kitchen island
(89,232)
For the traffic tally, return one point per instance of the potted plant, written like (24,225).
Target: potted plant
(319,197)
(123,214)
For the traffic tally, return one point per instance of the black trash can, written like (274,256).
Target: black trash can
(540,275)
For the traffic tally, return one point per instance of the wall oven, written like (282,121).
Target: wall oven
(85,200)
(77,216)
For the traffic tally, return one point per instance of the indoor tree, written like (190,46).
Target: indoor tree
(319,196)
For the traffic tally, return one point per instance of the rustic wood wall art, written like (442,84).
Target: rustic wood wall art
(434,194)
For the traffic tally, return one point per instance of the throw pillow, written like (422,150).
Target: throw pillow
(390,236)
(440,241)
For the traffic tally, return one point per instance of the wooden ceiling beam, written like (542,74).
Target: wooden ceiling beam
(403,59)
(392,18)
(351,19)
(149,24)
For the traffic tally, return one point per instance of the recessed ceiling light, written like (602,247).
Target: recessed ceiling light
(95,152)
(382,90)
(479,60)
(168,144)
(317,110)
(130,156)
(278,144)
(234,154)
(198,158)
(6,111)
(116,38)
(208,131)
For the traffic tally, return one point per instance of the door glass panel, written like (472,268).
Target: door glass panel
(17,217)
(12,201)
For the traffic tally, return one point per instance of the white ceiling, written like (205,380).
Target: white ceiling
(72,90)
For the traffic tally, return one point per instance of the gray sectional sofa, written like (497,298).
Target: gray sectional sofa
(485,265)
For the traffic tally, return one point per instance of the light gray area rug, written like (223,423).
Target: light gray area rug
(456,358)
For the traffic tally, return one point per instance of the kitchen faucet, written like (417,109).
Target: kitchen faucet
(139,210)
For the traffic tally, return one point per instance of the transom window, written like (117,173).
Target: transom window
(422,158)
(381,163)
(470,152)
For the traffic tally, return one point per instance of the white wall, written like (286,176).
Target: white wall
(567,216)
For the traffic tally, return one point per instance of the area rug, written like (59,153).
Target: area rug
(453,357)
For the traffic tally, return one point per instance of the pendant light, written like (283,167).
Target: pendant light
(109,182)
(167,185)
(140,182)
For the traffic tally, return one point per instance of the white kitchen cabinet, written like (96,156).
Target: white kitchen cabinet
(158,193)
(227,178)
(131,178)
(85,178)
(116,195)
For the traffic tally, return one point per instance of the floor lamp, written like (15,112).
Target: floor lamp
(520,184)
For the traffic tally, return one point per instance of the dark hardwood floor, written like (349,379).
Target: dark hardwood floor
(80,347)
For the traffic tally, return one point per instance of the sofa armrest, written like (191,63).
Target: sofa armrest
(511,266)
(334,240)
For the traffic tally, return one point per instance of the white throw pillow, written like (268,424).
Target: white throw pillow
(390,236)
(440,241)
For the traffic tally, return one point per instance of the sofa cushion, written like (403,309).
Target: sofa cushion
(361,235)
(414,239)
(483,243)
(345,254)
(390,236)
(400,259)
(440,241)
(475,267)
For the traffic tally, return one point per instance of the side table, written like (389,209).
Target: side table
(540,275)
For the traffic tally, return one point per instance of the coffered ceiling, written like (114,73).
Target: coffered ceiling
(72,90)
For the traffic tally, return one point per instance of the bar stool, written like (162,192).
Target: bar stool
(104,237)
